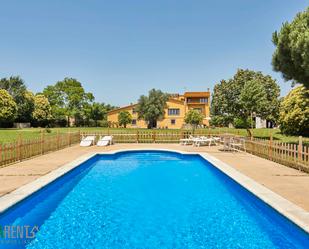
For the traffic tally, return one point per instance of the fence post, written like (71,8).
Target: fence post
(270,147)
(42,142)
(137,138)
(1,156)
(19,147)
(69,139)
(58,140)
(153,136)
(300,149)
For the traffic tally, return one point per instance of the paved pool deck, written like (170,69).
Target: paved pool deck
(291,184)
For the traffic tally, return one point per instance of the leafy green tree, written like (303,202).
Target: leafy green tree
(124,118)
(151,107)
(8,107)
(291,56)
(98,112)
(68,96)
(14,85)
(218,121)
(193,117)
(220,107)
(92,113)
(226,102)
(253,100)
(25,107)
(23,98)
(241,123)
(59,116)
(294,112)
(42,110)
(109,107)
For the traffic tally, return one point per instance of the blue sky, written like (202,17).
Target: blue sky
(121,49)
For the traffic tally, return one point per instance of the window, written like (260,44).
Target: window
(133,121)
(173,121)
(173,112)
(133,111)
(204,100)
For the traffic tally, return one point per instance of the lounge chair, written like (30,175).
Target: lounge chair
(187,141)
(204,141)
(104,141)
(227,144)
(217,139)
(238,144)
(87,141)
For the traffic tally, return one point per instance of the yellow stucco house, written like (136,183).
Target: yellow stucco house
(177,107)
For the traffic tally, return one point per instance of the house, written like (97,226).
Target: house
(175,112)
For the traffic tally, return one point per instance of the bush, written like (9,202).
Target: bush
(218,121)
(194,118)
(8,108)
(242,123)
(103,123)
(294,112)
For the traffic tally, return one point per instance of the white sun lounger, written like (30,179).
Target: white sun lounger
(204,141)
(104,141)
(186,141)
(87,141)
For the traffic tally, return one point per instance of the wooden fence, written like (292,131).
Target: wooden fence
(149,136)
(22,149)
(292,155)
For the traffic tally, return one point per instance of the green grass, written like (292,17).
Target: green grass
(8,135)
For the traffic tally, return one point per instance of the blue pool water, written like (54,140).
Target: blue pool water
(149,200)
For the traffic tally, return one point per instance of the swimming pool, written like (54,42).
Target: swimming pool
(149,199)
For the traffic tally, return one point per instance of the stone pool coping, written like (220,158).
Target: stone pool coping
(294,213)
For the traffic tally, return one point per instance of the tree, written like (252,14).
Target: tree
(227,106)
(291,56)
(14,85)
(220,107)
(42,110)
(59,116)
(8,108)
(92,113)
(194,118)
(151,107)
(253,100)
(98,112)
(23,98)
(124,118)
(68,97)
(294,112)
(25,107)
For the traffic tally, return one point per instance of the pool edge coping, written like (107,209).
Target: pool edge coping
(291,211)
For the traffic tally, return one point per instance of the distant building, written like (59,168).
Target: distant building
(260,123)
(177,107)
(263,123)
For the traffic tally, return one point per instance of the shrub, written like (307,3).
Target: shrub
(294,112)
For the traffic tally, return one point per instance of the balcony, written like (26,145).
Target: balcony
(203,101)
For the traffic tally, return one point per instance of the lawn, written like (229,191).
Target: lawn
(8,135)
